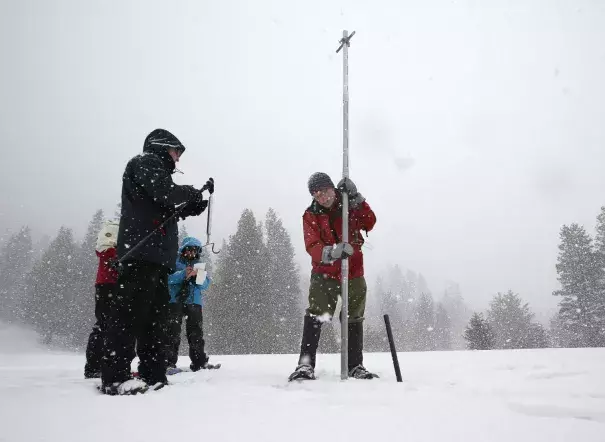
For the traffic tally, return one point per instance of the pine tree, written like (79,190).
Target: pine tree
(40,247)
(537,336)
(49,303)
(389,305)
(600,237)
(459,314)
(510,319)
(182,233)
(117,214)
(375,335)
(412,281)
(443,332)
(600,251)
(422,285)
(423,328)
(581,274)
(15,260)
(238,303)
(214,307)
(402,293)
(560,338)
(83,286)
(479,334)
(379,303)
(395,297)
(283,294)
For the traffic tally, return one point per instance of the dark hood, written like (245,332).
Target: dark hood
(158,142)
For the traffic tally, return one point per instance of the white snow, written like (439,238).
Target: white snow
(502,396)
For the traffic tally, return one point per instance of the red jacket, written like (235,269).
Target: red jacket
(323,227)
(105,273)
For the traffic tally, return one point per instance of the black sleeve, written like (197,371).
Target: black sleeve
(154,179)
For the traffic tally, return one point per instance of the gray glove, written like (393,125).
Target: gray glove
(331,254)
(348,186)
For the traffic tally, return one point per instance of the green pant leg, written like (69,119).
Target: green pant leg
(323,295)
(357,299)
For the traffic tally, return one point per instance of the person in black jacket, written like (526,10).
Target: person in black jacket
(140,311)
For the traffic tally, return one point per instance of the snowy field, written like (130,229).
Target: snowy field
(535,395)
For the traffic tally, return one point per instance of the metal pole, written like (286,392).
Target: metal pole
(209,226)
(344,313)
(209,222)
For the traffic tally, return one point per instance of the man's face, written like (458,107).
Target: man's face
(325,197)
(175,154)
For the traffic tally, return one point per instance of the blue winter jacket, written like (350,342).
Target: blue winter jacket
(177,279)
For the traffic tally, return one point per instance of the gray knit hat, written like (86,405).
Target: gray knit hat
(319,181)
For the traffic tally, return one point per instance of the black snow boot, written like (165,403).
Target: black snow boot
(356,368)
(129,387)
(308,349)
(302,372)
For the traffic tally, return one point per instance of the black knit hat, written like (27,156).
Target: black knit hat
(160,139)
(319,181)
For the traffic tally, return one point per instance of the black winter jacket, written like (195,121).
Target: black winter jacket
(149,196)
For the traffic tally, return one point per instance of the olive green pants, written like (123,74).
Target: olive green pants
(324,293)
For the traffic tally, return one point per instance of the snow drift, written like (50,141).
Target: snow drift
(502,396)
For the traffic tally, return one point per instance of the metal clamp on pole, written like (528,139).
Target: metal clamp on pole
(345,40)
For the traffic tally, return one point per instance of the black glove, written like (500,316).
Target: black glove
(209,186)
(346,185)
(195,206)
(355,198)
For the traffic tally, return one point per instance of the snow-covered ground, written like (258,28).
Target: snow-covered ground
(503,396)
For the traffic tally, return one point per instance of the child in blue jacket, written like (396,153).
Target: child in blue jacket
(186,292)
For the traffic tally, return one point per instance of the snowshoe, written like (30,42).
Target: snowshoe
(129,387)
(173,370)
(158,386)
(206,366)
(302,372)
(359,372)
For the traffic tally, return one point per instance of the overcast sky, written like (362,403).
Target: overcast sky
(475,132)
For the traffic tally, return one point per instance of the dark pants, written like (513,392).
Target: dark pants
(324,293)
(138,314)
(323,297)
(104,295)
(193,329)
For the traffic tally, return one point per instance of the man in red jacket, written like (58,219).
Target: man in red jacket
(322,226)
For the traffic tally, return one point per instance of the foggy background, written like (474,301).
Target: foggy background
(475,132)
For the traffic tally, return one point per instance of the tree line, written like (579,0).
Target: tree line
(253,306)
(257,299)
(580,320)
